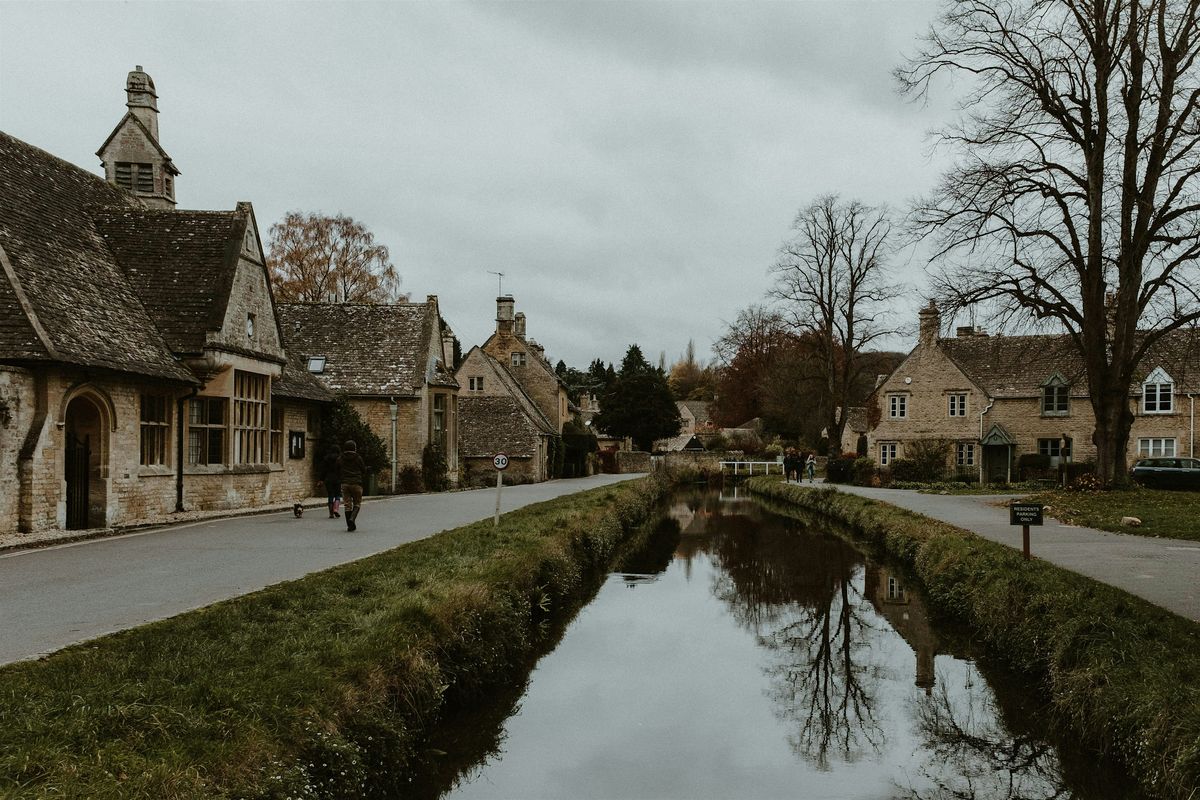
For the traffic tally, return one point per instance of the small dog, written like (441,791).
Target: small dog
(298,510)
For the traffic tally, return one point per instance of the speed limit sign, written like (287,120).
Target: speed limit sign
(500,461)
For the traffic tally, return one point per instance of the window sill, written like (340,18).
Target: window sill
(1170,413)
(155,471)
(231,469)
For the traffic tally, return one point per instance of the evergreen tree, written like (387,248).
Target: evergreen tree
(638,403)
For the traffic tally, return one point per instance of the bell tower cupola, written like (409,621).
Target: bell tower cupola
(132,156)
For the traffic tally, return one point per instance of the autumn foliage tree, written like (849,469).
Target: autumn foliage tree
(321,259)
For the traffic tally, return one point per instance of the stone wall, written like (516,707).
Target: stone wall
(708,462)
(123,491)
(478,471)
(633,461)
(17,409)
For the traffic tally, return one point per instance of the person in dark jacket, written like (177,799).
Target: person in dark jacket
(354,473)
(331,476)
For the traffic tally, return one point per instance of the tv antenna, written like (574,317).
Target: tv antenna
(499,282)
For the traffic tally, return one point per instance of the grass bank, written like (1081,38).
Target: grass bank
(324,687)
(1167,514)
(1123,673)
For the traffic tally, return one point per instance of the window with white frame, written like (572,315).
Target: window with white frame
(897,406)
(1050,447)
(958,405)
(1055,398)
(518,359)
(475,383)
(1154,447)
(1158,393)
(887,453)
(964,455)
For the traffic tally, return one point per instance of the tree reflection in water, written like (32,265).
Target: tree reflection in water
(974,757)
(799,592)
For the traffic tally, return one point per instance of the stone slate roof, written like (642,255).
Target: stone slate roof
(500,374)
(63,295)
(699,409)
(182,262)
(856,419)
(495,424)
(297,383)
(369,350)
(1018,366)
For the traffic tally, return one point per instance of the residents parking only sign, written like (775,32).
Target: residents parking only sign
(1025,514)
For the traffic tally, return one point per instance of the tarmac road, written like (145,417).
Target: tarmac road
(56,596)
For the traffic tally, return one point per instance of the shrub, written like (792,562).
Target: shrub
(1033,465)
(863,472)
(339,422)
(840,469)
(929,457)
(410,480)
(433,468)
(907,470)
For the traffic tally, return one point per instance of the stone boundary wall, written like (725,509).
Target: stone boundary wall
(633,461)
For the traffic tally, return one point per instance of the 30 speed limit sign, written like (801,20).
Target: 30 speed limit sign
(500,461)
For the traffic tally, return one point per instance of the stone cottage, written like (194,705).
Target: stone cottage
(142,370)
(395,365)
(526,360)
(996,398)
(496,415)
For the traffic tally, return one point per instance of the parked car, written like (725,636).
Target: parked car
(1167,473)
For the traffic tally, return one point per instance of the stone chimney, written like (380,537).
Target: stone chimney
(930,324)
(519,325)
(537,349)
(448,347)
(141,100)
(504,314)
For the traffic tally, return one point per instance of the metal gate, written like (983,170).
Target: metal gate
(79,467)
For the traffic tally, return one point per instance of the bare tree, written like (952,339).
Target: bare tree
(1074,198)
(832,278)
(320,259)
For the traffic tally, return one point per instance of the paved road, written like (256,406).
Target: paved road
(57,596)
(1164,571)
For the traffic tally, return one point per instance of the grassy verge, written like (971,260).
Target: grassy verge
(1171,515)
(1123,673)
(323,687)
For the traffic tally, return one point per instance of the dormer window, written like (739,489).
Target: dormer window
(1055,396)
(316,365)
(518,359)
(1158,393)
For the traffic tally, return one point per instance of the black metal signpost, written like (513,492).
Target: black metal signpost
(1024,514)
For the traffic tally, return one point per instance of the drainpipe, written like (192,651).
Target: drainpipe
(394,409)
(1192,425)
(179,407)
(991,402)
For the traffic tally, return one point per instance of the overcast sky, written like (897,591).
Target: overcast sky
(630,167)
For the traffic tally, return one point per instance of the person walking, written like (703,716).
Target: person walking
(353,473)
(791,465)
(331,476)
(810,465)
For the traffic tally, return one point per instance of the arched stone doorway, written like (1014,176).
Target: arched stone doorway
(85,463)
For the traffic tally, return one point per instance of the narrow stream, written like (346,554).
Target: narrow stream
(743,654)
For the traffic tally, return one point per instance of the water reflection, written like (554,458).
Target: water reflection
(762,656)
